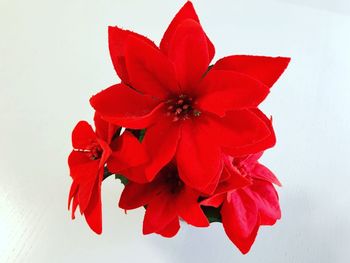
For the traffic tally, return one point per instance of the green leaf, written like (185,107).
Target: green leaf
(212,213)
(122,179)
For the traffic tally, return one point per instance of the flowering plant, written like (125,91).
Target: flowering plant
(193,135)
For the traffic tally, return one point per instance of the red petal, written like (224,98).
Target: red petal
(117,42)
(160,212)
(242,132)
(198,157)
(150,71)
(189,52)
(215,200)
(72,192)
(266,200)
(261,145)
(135,195)
(240,220)
(124,106)
(263,173)
(127,152)
(160,142)
(85,174)
(83,135)
(171,229)
(93,213)
(75,160)
(189,209)
(186,12)
(136,174)
(229,90)
(104,129)
(234,182)
(265,69)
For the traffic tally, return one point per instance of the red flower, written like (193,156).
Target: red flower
(244,210)
(92,150)
(167,198)
(190,113)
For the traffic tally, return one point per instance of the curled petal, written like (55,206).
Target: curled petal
(124,106)
(117,38)
(83,135)
(127,152)
(241,132)
(104,130)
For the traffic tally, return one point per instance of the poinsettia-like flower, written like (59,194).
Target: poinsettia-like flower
(92,150)
(166,199)
(190,113)
(244,210)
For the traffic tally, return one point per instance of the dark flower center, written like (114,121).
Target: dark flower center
(181,108)
(169,176)
(93,151)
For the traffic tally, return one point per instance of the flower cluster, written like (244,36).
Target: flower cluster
(193,135)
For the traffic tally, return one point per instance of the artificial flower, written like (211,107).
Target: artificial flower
(191,112)
(166,199)
(92,150)
(244,210)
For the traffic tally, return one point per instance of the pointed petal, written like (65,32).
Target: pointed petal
(136,195)
(82,135)
(242,132)
(85,174)
(123,106)
(265,69)
(117,38)
(160,212)
(186,12)
(171,229)
(240,220)
(260,145)
(150,71)
(127,152)
(263,173)
(93,213)
(189,53)
(198,157)
(266,200)
(214,201)
(104,129)
(189,209)
(228,90)
(160,142)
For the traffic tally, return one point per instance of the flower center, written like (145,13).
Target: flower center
(181,108)
(170,177)
(93,151)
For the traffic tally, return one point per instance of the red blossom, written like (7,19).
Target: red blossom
(166,199)
(190,114)
(244,210)
(92,150)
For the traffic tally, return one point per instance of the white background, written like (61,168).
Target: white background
(54,56)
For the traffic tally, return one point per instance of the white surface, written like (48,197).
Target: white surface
(54,56)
